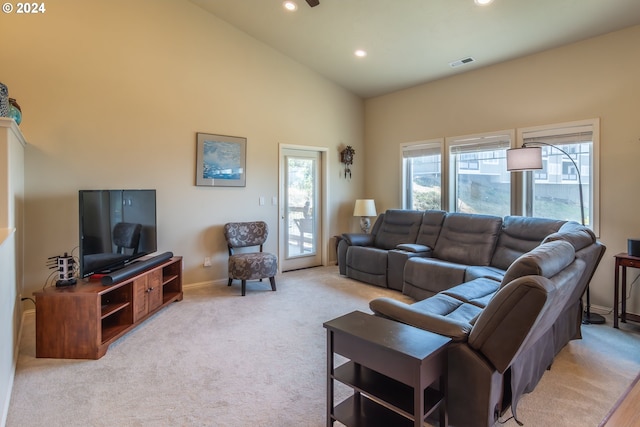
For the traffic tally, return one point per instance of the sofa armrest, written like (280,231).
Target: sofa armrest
(405,313)
(414,247)
(358,239)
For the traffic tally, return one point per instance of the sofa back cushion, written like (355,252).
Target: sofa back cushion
(430,228)
(519,235)
(546,260)
(468,238)
(399,226)
(578,235)
(376,225)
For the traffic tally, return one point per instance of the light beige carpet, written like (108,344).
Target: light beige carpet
(219,359)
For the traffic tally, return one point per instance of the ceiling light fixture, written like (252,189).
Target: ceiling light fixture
(360,53)
(482,2)
(289,5)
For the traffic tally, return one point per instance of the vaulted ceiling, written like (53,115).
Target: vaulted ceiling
(409,42)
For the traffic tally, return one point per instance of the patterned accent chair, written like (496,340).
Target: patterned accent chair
(249,265)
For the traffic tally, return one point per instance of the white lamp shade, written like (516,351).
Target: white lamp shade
(525,158)
(365,207)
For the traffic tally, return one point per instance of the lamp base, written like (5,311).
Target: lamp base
(589,318)
(365,224)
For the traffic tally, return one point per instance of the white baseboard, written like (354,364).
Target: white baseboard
(601,309)
(207,283)
(5,406)
(16,353)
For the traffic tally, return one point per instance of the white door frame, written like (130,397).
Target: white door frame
(324,197)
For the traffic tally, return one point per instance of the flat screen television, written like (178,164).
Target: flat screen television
(116,228)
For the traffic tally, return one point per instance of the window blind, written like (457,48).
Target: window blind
(482,144)
(420,150)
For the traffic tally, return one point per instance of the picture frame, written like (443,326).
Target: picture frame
(221,160)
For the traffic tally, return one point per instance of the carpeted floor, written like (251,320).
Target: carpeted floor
(218,359)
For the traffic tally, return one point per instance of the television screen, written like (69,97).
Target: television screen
(116,227)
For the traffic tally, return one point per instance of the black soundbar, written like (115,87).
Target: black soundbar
(135,268)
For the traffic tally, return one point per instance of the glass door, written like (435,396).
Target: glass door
(301,209)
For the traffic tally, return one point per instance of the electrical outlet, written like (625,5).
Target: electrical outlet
(207,261)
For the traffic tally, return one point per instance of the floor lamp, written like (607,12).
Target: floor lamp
(529,157)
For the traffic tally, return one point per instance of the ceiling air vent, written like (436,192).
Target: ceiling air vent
(462,61)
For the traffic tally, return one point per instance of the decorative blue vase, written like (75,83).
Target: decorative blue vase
(4,100)
(15,112)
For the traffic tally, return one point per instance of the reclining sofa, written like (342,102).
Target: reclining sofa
(506,290)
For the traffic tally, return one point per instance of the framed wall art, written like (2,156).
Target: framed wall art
(221,160)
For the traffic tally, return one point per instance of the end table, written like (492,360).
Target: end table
(398,373)
(623,260)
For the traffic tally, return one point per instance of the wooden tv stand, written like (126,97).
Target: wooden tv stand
(81,321)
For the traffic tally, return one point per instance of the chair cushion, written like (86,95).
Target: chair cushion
(243,234)
(251,266)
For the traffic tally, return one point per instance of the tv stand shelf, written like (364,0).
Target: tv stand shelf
(109,309)
(81,321)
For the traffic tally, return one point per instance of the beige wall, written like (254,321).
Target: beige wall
(595,78)
(113,93)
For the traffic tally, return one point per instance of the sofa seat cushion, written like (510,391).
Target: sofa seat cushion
(483,271)
(477,292)
(432,275)
(367,265)
(468,238)
(450,307)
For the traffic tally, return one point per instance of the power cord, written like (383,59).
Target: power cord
(508,419)
(46,282)
(628,296)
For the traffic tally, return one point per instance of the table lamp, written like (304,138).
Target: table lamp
(365,208)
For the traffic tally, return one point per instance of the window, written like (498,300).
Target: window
(554,191)
(472,170)
(478,177)
(422,175)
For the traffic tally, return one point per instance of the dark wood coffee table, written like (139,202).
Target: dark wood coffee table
(398,373)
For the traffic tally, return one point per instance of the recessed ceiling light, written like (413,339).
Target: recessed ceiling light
(290,5)
(482,2)
(360,53)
